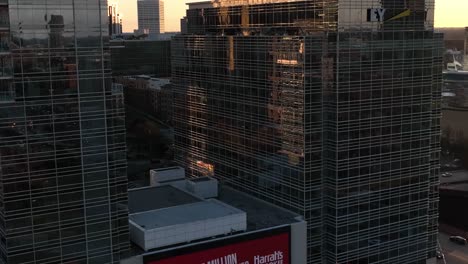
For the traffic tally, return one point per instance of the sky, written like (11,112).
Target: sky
(449,13)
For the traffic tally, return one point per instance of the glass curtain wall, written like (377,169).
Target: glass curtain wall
(323,111)
(62,146)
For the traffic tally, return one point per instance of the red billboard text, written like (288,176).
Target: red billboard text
(268,250)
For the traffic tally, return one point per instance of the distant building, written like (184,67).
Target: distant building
(162,36)
(455,88)
(137,57)
(183,25)
(57,28)
(454,38)
(167,104)
(151,16)
(152,96)
(115,18)
(140,32)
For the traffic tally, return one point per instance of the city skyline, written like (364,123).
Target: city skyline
(448,14)
(268,131)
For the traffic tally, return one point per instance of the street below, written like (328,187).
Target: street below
(454,253)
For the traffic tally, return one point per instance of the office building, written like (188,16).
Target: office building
(455,89)
(152,96)
(136,57)
(115,18)
(151,16)
(6,74)
(183,25)
(62,147)
(328,108)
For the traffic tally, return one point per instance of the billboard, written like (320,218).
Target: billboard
(272,247)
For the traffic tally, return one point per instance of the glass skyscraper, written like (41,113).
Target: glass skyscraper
(151,16)
(136,57)
(328,108)
(62,136)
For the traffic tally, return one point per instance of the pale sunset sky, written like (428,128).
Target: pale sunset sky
(449,13)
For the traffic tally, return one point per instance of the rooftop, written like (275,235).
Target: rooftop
(260,214)
(183,214)
(168,168)
(156,83)
(154,198)
(201,179)
(201,4)
(153,209)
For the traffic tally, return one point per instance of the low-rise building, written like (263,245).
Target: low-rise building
(455,89)
(171,225)
(153,96)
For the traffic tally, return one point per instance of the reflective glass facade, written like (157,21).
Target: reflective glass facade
(322,107)
(62,136)
(151,16)
(381,148)
(136,57)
